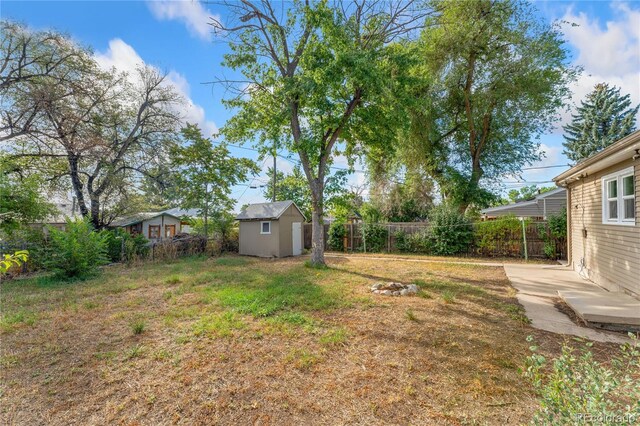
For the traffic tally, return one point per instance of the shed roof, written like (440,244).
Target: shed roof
(531,207)
(266,210)
(139,217)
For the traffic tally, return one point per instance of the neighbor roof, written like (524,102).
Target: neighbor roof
(266,210)
(139,217)
(529,207)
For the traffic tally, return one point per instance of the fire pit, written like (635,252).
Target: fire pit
(394,289)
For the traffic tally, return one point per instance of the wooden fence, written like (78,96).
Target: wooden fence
(511,244)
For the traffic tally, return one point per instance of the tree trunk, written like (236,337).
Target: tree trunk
(95,213)
(317,222)
(317,237)
(77,184)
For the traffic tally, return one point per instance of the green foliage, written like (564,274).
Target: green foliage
(492,77)
(15,259)
(576,388)
(527,192)
(206,173)
(374,237)
(501,237)
(21,199)
(77,251)
(557,230)
(451,232)
(123,247)
(417,242)
(337,233)
(601,119)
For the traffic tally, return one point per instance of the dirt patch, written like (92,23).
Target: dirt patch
(248,341)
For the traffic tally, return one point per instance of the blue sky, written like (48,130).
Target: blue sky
(174,37)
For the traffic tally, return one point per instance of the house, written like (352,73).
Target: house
(271,229)
(152,225)
(184,215)
(603,199)
(539,208)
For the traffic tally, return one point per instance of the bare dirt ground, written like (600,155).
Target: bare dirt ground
(247,341)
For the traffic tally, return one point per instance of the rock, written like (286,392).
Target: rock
(376,291)
(387,292)
(396,293)
(377,286)
(404,292)
(413,289)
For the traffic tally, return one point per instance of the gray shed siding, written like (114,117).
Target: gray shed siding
(253,243)
(611,252)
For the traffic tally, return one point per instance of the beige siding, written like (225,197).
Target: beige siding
(162,221)
(611,252)
(292,214)
(253,243)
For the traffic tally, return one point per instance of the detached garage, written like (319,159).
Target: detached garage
(271,229)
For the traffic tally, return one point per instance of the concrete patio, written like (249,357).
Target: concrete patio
(538,287)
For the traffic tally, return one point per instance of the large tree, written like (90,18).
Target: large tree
(105,128)
(315,74)
(493,77)
(205,174)
(604,117)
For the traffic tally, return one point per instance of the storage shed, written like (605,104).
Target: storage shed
(271,229)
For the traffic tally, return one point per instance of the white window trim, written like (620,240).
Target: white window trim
(265,233)
(618,176)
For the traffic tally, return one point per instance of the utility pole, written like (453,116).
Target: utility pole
(274,171)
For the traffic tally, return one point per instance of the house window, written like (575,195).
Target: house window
(265,227)
(618,198)
(154,232)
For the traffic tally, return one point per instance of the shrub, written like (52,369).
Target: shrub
(374,237)
(77,251)
(418,242)
(450,231)
(501,237)
(575,387)
(337,233)
(124,247)
(555,230)
(27,238)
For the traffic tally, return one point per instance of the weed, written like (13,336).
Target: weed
(136,351)
(90,305)
(219,325)
(312,265)
(9,322)
(410,315)
(335,337)
(302,359)
(138,326)
(173,279)
(448,296)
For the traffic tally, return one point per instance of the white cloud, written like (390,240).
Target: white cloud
(190,12)
(608,53)
(123,57)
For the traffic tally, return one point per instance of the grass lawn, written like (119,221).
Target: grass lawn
(247,341)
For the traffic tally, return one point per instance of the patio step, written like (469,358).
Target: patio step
(600,308)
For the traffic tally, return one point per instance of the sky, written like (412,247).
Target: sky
(174,36)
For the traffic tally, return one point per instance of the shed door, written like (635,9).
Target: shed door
(296,233)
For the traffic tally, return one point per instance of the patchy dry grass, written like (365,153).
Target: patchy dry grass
(237,340)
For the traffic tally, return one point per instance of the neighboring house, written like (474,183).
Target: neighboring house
(184,215)
(603,226)
(271,229)
(152,225)
(539,208)
(65,209)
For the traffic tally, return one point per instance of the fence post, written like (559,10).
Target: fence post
(388,238)
(524,238)
(364,236)
(351,232)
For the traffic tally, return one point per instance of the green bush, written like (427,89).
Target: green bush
(450,231)
(337,233)
(77,251)
(577,389)
(124,247)
(374,237)
(500,237)
(32,239)
(418,242)
(555,230)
